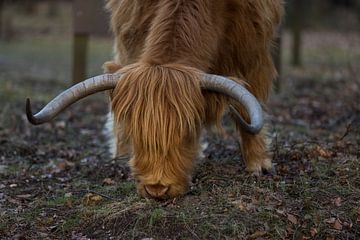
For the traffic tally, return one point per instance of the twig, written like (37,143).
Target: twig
(347,131)
(100,194)
(122,158)
(190,230)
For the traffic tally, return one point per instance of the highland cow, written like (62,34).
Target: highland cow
(167,83)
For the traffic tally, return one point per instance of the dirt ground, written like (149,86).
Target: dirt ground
(57,180)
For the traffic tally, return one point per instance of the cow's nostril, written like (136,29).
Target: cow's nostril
(156,190)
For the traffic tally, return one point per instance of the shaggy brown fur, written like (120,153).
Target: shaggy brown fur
(158,105)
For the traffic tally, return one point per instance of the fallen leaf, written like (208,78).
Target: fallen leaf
(348,225)
(281,212)
(24,196)
(108,181)
(91,199)
(337,201)
(69,203)
(334,222)
(20,236)
(243,206)
(289,230)
(313,232)
(65,165)
(68,195)
(258,234)
(330,220)
(292,218)
(40,152)
(323,152)
(79,236)
(60,124)
(337,225)
(239,204)
(47,220)
(13,201)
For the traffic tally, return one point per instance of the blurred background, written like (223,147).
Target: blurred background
(62,41)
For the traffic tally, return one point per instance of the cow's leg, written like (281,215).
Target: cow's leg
(253,146)
(255,154)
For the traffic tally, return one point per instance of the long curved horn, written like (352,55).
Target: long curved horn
(70,96)
(108,81)
(242,95)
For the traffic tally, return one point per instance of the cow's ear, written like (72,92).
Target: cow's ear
(111,67)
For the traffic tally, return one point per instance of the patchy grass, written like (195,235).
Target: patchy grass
(57,180)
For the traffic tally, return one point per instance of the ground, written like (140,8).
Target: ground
(58,181)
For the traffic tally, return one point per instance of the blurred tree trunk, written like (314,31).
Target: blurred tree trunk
(1,17)
(53,9)
(30,7)
(8,32)
(296,24)
(80,53)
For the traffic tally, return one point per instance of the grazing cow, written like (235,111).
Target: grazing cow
(167,83)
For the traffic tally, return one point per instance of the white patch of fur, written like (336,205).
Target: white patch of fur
(109,133)
(203,146)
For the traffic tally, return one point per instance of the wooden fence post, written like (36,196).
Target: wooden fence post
(7,31)
(89,19)
(296,21)
(80,48)
(53,9)
(1,18)
(29,7)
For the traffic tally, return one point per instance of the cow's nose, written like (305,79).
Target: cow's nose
(156,190)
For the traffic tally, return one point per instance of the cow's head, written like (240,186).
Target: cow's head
(158,116)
